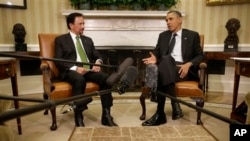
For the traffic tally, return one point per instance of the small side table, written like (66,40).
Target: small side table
(8,70)
(242,68)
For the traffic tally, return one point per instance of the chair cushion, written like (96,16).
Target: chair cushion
(188,89)
(91,87)
(63,89)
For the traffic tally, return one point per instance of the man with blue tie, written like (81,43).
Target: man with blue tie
(75,46)
(177,56)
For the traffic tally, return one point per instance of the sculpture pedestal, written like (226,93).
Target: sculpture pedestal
(21,47)
(231,47)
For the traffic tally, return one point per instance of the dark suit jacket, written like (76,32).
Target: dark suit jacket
(191,49)
(65,49)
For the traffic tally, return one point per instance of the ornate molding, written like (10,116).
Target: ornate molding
(118,13)
(125,28)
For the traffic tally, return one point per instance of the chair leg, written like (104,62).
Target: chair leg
(45,97)
(144,95)
(143,106)
(200,103)
(53,114)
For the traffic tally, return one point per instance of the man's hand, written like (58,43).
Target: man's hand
(96,68)
(150,60)
(81,70)
(183,71)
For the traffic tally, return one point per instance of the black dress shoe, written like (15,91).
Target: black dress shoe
(156,119)
(78,119)
(107,119)
(177,115)
(177,112)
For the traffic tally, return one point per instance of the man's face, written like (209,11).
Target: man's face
(173,22)
(78,26)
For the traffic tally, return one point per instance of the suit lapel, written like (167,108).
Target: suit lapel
(70,42)
(184,42)
(167,39)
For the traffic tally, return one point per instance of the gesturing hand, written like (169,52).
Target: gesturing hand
(150,60)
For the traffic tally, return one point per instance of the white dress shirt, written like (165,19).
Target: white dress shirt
(177,52)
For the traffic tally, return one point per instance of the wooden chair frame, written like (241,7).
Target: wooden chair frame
(53,87)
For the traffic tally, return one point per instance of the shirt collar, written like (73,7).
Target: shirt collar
(179,33)
(73,35)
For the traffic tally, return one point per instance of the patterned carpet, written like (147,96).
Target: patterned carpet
(126,113)
(159,133)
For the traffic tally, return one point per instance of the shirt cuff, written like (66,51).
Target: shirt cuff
(73,68)
(100,60)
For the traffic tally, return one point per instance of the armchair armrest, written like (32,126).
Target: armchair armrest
(202,73)
(48,85)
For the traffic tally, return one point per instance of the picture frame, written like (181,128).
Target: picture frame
(16,4)
(225,2)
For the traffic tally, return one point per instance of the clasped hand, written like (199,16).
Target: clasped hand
(83,70)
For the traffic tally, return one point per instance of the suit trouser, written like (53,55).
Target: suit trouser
(168,75)
(78,83)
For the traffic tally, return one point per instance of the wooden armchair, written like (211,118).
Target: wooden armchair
(193,89)
(53,87)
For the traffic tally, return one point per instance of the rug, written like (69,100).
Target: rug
(153,133)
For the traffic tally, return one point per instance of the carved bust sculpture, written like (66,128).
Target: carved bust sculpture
(232,26)
(19,33)
(232,40)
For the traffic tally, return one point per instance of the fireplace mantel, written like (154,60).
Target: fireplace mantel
(120,29)
(118,13)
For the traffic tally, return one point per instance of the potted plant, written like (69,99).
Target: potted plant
(137,4)
(164,4)
(124,4)
(85,4)
(80,4)
(75,3)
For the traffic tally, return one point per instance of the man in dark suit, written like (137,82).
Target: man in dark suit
(177,55)
(66,47)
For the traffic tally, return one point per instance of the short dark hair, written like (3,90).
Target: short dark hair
(71,18)
(178,13)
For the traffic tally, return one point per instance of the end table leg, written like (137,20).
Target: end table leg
(16,103)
